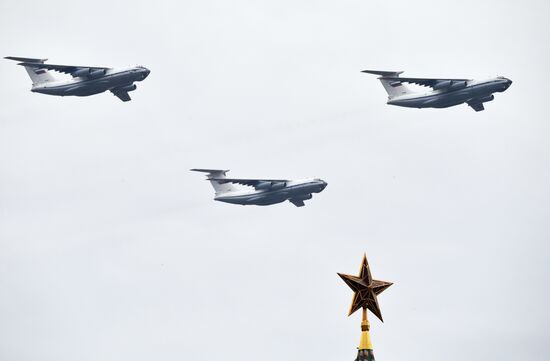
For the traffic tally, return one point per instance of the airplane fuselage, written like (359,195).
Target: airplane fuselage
(483,89)
(84,86)
(295,190)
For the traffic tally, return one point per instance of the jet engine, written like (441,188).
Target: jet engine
(263,185)
(449,85)
(455,85)
(81,73)
(270,186)
(127,88)
(97,73)
(278,185)
(445,84)
(88,73)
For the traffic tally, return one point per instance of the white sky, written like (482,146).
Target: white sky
(110,249)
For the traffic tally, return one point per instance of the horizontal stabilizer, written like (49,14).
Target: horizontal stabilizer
(391,82)
(214,176)
(35,68)
(26,60)
(211,171)
(382,72)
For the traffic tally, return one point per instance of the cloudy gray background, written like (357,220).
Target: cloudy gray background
(111,250)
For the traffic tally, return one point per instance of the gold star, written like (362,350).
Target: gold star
(366,289)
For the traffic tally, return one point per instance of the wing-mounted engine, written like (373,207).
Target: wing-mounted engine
(449,85)
(270,186)
(443,84)
(88,73)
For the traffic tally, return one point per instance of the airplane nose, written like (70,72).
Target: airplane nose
(323,185)
(146,73)
(507,84)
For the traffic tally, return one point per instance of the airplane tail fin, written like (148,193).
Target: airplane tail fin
(37,74)
(219,188)
(393,87)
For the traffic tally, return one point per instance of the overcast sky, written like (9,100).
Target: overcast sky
(111,250)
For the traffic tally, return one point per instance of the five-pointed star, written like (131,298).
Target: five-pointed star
(366,289)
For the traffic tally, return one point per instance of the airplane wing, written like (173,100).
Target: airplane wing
(74,70)
(121,94)
(256,183)
(429,82)
(477,106)
(297,202)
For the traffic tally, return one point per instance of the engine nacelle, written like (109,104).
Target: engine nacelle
(89,73)
(128,88)
(449,85)
(278,185)
(457,85)
(97,73)
(445,84)
(81,73)
(263,185)
(269,186)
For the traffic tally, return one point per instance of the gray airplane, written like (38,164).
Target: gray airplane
(261,192)
(445,92)
(86,80)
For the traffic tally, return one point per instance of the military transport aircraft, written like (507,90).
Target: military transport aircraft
(445,92)
(86,80)
(264,192)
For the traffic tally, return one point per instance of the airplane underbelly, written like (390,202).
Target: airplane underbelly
(459,97)
(95,87)
(85,88)
(446,100)
(48,91)
(73,90)
(266,200)
(255,199)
